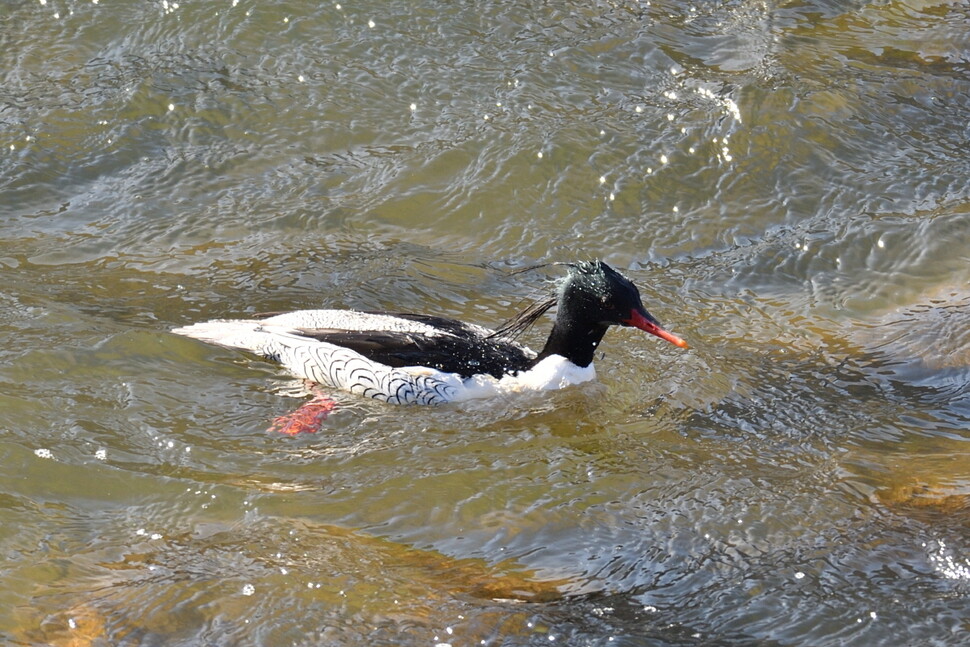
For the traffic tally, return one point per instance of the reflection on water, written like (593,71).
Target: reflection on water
(786,182)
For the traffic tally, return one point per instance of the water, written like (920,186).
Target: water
(788,183)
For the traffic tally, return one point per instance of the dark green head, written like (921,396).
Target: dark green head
(594,294)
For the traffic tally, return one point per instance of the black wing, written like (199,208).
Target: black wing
(460,349)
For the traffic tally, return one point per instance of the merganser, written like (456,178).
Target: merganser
(423,359)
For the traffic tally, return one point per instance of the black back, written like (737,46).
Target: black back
(459,348)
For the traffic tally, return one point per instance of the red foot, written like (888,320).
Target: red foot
(307,419)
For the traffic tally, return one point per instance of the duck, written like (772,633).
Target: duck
(403,358)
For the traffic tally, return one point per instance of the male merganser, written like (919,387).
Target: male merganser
(422,359)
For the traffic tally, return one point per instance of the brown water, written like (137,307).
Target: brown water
(789,184)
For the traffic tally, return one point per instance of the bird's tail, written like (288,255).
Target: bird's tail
(245,334)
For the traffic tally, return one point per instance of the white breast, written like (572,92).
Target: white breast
(553,372)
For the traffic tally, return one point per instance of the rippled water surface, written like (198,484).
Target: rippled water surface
(788,183)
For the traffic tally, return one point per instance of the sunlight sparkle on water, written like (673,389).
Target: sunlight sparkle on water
(728,104)
(949,566)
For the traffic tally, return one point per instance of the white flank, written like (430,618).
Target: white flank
(323,363)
